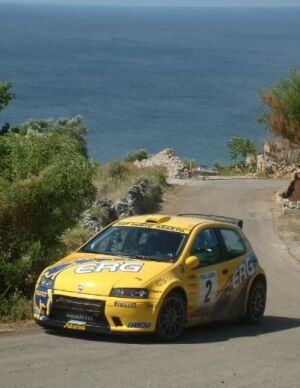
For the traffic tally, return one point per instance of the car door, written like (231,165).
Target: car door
(232,295)
(206,281)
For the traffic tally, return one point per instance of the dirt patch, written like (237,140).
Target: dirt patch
(13,326)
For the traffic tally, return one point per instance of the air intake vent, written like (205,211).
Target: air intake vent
(157,219)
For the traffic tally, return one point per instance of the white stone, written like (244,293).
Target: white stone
(285,202)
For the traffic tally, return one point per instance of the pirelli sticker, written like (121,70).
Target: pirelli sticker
(154,226)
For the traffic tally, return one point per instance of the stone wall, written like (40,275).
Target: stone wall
(139,199)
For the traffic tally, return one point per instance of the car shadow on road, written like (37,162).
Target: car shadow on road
(224,331)
(214,332)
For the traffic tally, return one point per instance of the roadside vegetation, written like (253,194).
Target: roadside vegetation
(136,155)
(243,153)
(282,108)
(112,182)
(281,117)
(114,179)
(47,182)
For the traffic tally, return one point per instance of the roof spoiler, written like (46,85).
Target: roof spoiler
(230,220)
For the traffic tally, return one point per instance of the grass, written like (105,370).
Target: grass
(114,180)
(15,308)
(239,169)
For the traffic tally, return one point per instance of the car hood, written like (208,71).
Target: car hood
(98,274)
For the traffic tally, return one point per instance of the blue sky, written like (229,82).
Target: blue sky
(247,3)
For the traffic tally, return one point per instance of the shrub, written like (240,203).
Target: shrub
(240,147)
(45,185)
(116,170)
(15,307)
(136,155)
(75,237)
(190,164)
(282,114)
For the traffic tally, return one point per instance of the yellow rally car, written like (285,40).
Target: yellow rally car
(156,274)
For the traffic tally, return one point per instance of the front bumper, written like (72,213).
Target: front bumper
(90,313)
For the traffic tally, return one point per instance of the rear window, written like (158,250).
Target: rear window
(234,243)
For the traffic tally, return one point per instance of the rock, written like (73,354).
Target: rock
(250,159)
(280,159)
(100,214)
(168,160)
(104,211)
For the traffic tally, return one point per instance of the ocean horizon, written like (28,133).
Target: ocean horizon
(143,77)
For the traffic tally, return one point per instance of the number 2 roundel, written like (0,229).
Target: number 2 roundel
(208,287)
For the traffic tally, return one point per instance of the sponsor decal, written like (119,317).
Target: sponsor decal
(139,325)
(156,291)
(208,287)
(41,300)
(83,318)
(110,267)
(245,270)
(154,226)
(75,326)
(41,293)
(54,271)
(127,305)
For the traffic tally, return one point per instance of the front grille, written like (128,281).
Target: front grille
(65,308)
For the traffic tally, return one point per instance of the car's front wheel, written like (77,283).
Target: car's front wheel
(171,318)
(256,302)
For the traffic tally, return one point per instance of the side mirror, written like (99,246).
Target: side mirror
(192,262)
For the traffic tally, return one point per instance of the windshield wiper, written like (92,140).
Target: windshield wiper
(141,257)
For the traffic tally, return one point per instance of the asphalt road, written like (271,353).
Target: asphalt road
(220,355)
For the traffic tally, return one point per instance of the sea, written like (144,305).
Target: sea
(145,77)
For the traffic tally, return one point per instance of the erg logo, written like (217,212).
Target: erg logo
(244,271)
(111,267)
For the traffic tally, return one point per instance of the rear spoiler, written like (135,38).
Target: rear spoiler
(229,220)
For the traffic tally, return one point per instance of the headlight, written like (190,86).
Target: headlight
(46,282)
(138,293)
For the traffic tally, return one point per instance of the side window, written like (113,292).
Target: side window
(207,248)
(234,243)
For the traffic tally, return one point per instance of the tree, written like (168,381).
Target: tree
(282,116)
(241,147)
(5,94)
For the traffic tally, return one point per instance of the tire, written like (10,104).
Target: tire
(171,318)
(256,303)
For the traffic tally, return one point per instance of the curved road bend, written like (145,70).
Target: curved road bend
(220,355)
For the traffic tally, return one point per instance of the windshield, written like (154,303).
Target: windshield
(140,243)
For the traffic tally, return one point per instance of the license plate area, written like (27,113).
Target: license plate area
(90,311)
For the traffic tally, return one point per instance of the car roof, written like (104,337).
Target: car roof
(180,223)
